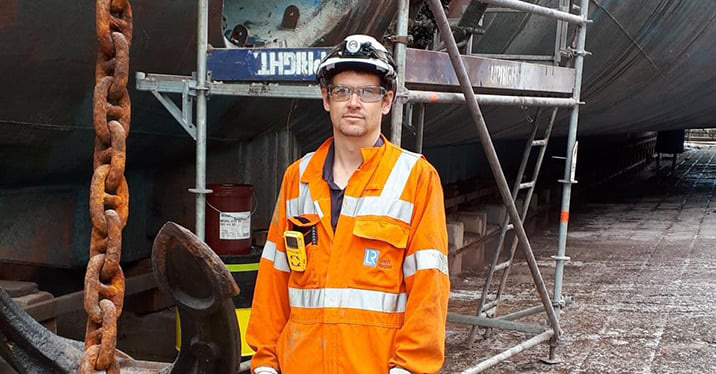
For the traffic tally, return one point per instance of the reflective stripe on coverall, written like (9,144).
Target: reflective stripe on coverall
(374,294)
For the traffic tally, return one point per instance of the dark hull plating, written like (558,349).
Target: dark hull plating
(653,67)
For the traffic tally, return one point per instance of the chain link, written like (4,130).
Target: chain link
(109,194)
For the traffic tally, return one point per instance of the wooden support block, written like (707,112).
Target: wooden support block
(454,261)
(455,232)
(25,294)
(475,221)
(473,257)
(147,302)
(159,326)
(495,213)
(18,288)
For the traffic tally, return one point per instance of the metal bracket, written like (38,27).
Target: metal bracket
(573,166)
(183,115)
(290,17)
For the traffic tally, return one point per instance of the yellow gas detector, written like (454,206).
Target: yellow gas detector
(295,250)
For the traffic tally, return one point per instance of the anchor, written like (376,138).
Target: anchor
(187,271)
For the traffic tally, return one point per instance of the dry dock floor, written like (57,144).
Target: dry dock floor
(642,274)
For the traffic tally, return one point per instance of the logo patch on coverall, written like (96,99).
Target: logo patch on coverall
(371,257)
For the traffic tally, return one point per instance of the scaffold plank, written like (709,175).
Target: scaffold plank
(432,68)
(423,69)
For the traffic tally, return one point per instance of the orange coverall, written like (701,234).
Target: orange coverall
(373,298)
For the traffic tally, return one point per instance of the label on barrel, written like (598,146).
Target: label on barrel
(234,225)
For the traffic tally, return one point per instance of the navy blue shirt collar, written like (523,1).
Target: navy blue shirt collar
(330,159)
(337,193)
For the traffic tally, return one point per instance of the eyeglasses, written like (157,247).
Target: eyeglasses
(367,94)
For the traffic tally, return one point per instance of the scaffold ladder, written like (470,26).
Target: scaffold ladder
(484,306)
(514,219)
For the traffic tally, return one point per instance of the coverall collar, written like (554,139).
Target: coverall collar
(314,169)
(330,159)
(313,176)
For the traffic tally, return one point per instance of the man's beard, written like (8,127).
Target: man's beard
(352,130)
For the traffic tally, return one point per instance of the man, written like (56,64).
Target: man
(370,295)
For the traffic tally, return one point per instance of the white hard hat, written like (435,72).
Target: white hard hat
(358,52)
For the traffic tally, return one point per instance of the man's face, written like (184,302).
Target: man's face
(354,117)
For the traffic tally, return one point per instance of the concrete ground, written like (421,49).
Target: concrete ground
(642,274)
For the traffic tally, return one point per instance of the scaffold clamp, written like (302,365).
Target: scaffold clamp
(200,191)
(403,39)
(561,258)
(579,52)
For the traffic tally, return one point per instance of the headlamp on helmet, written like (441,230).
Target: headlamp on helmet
(352,46)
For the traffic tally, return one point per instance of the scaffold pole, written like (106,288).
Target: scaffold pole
(569,168)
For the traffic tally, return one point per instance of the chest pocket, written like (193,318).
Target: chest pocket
(377,254)
(388,232)
(308,278)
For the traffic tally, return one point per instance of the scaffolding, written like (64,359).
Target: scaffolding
(558,87)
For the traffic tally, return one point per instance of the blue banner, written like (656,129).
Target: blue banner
(265,64)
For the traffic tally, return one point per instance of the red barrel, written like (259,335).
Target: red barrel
(228,218)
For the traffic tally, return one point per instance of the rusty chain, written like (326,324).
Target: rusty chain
(109,194)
